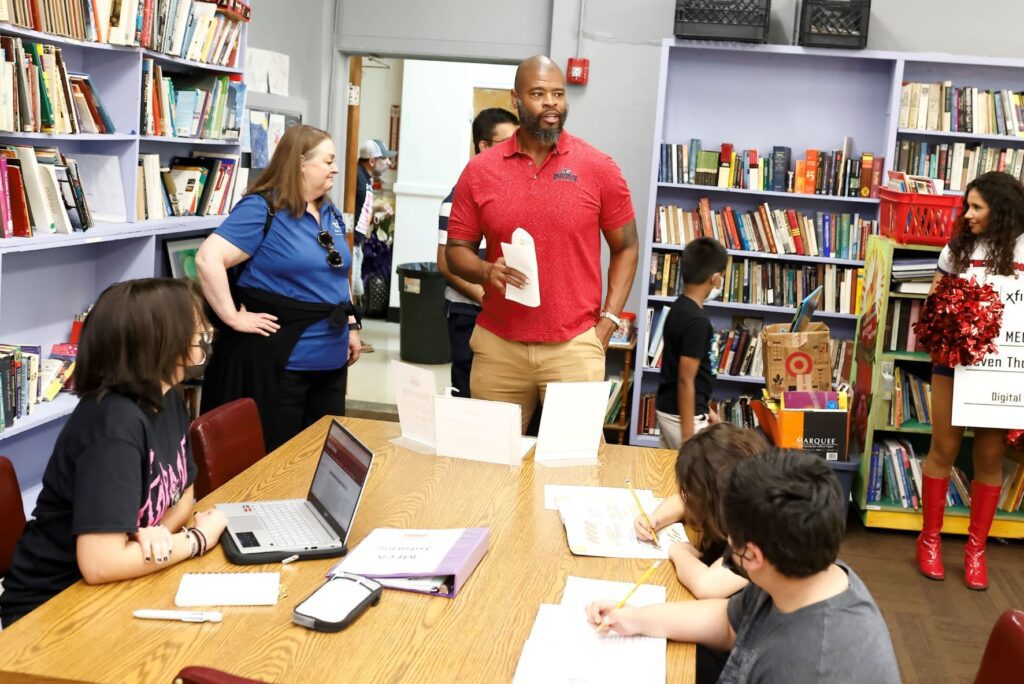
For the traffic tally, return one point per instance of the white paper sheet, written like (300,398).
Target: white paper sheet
(228,589)
(555,494)
(415,389)
(606,529)
(257,66)
(275,129)
(101,183)
(582,591)
(571,424)
(521,254)
(277,73)
(565,647)
(479,430)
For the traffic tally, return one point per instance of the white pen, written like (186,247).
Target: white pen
(290,559)
(180,615)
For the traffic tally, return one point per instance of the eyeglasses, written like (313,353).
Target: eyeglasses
(334,259)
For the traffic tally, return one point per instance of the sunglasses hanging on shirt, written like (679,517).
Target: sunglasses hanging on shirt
(334,259)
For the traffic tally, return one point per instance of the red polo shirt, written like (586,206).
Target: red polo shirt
(578,192)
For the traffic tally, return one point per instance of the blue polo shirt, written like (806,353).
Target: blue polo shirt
(291,262)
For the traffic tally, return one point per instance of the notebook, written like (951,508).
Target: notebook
(228,589)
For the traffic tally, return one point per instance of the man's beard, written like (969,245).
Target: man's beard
(547,136)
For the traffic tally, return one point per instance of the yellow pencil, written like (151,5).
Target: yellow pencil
(643,578)
(654,532)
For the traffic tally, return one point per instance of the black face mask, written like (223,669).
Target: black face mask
(729,563)
(194,372)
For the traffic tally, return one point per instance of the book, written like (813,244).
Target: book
(403,559)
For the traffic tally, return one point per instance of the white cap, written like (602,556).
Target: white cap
(375,149)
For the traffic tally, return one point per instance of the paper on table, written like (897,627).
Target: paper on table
(478,430)
(228,589)
(391,551)
(607,530)
(415,389)
(571,424)
(555,494)
(521,254)
(581,591)
(565,647)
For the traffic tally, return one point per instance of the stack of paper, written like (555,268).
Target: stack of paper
(564,647)
(599,521)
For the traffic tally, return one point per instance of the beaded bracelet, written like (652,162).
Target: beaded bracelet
(202,540)
(193,542)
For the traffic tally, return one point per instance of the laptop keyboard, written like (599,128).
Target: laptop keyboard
(291,525)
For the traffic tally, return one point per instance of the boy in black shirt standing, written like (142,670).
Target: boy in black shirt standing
(685,386)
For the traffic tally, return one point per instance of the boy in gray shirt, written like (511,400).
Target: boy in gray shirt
(805,617)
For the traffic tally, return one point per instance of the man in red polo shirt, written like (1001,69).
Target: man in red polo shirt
(566,195)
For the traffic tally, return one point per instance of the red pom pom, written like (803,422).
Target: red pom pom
(1015,439)
(960,321)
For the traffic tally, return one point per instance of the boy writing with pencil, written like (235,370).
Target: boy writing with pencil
(804,617)
(685,387)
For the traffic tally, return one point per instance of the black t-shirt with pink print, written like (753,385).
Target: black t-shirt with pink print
(114,468)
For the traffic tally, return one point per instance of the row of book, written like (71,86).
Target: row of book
(945,107)
(201,185)
(615,399)
(41,192)
(773,231)
(736,410)
(836,173)
(894,478)
(28,378)
(197,30)
(207,107)
(750,281)
(911,399)
(957,164)
(899,325)
(737,351)
(39,94)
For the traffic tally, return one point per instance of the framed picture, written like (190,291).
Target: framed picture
(182,257)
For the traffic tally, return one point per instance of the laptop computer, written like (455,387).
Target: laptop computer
(317,525)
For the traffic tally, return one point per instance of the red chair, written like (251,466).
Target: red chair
(1003,660)
(226,441)
(207,675)
(12,514)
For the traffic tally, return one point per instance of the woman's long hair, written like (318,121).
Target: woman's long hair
(1005,198)
(281,182)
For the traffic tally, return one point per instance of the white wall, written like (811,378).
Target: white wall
(380,89)
(437,118)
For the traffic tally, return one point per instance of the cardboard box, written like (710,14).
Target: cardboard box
(796,361)
(824,432)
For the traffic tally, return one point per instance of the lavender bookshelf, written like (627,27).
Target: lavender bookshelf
(757,96)
(46,280)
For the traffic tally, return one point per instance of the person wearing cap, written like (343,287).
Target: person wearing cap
(462,299)
(374,159)
(566,195)
(286,329)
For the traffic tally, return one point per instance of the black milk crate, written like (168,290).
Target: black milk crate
(742,20)
(834,23)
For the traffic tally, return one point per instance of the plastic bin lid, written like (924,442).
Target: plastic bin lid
(420,268)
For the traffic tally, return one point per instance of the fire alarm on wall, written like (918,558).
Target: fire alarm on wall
(578,71)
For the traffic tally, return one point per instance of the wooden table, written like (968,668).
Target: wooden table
(88,633)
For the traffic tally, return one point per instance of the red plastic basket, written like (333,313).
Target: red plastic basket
(912,218)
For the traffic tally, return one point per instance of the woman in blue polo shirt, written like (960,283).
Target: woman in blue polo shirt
(287,331)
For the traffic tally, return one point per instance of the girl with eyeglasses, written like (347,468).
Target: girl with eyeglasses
(117,491)
(287,330)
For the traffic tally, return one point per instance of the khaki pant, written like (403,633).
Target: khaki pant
(518,372)
(672,432)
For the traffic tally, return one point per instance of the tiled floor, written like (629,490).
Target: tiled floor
(369,380)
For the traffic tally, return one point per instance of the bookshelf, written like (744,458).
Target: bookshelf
(618,430)
(45,280)
(873,363)
(758,96)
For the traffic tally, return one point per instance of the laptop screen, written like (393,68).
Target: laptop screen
(339,479)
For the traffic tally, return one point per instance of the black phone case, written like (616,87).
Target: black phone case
(227,542)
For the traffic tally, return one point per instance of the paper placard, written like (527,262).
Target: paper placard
(415,390)
(478,430)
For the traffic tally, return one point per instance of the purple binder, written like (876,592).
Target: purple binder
(457,565)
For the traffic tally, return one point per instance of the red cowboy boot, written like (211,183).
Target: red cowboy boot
(929,543)
(983,508)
